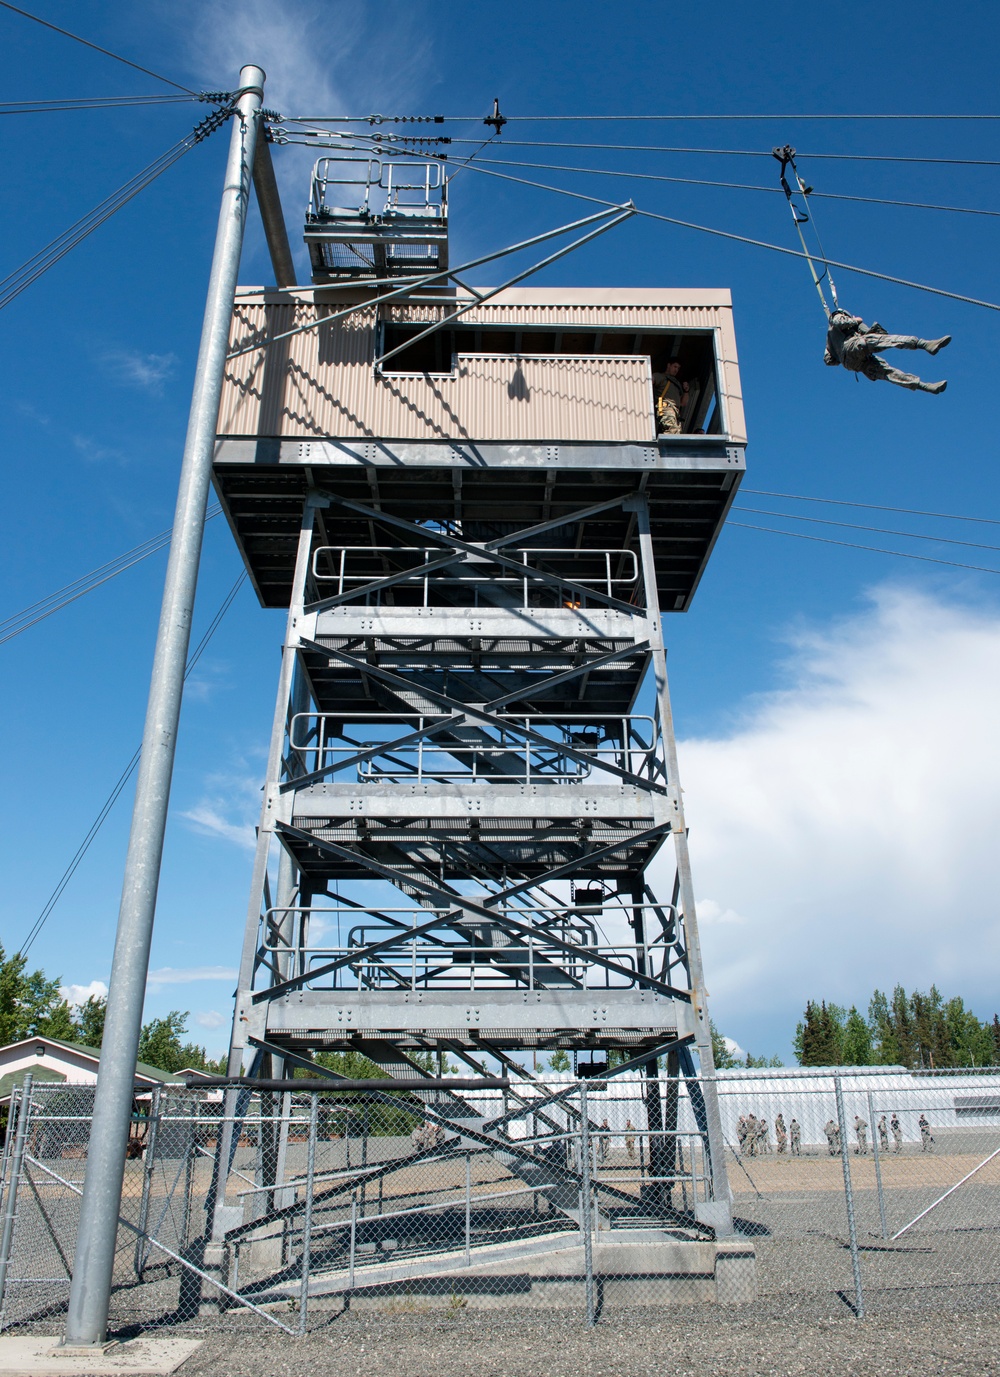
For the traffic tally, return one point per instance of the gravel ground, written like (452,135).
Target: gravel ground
(776,1340)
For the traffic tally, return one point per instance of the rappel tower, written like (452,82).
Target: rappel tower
(472,840)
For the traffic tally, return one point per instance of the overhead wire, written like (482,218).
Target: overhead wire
(876,530)
(32,269)
(876,549)
(870,506)
(45,23)
(122,780)
(37,107)
(608,119)
(30,616)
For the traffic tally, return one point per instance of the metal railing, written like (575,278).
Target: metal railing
(470,753)
(354,566)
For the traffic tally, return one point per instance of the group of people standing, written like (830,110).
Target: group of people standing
(884,1127)
(754,1136)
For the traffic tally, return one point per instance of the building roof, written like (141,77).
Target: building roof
(143,1072)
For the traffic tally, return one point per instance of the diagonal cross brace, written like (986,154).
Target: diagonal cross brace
(501,920)
(456,705)
(479,551)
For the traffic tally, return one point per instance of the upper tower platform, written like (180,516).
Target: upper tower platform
(538,401)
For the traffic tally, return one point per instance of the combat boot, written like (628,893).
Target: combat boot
(936,388)
(933,345)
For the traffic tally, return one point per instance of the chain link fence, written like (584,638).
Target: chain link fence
(867,1191)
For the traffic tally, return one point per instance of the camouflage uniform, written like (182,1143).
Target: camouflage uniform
(897,1133)
(795,1133)
(780,1133)
(832,1134)
(883,1135)
(861,1131)
(671,395)
(855,345)
(926,1140)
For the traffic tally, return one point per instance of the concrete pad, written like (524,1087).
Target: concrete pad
(38,1355)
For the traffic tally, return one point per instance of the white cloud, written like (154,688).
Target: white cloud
(852,820)
(228,809)
(146,371)
(183,975)
(210,1019)
(711,912)
(76,995)
(734,1049)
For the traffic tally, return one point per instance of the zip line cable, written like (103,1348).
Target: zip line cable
(32,269)
(876,549)
(39,107)
(29,616)
(876,530)
(741,239)
(96,47)
(733,152)
(123,779)
(870,506)
(732,186)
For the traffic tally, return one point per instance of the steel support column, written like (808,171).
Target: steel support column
(95,1249)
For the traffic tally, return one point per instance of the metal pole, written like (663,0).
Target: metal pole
(878,1165)
(354,1239)
(852,1232)
(16,1165)
(585,1219)
(307,1220)
(90,1293)
(468,1209)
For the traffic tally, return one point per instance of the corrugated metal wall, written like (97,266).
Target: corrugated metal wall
(321,383)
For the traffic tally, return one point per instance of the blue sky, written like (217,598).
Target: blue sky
(836,707)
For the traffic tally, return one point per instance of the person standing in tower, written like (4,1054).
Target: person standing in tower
(856,346)
(671,397)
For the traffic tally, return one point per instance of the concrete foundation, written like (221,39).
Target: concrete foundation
(631,1267)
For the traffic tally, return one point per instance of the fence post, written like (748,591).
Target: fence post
(585,1218)
(354,1238)
(852,1233)
(878,1165)
(307,1218)
(16,1166)
(468,1209)
(148,1166)
(8,1141)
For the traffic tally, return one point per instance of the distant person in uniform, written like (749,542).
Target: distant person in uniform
(883,1134)
(926,1140)
(857,346)
(780,1133)
(630,1139)
(832,1134)
(795,1133)
(861,1133)
(671,398)
(897,1133)
(763,1137)
(603,1141)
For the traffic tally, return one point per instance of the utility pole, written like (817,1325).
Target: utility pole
(95,1248)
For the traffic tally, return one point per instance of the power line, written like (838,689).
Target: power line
(876,530)
(122,780)
(876,549)
(871,506)
(733,186)
(32,269)
(608,119)
(18,622)
(740,238)
(37,107)
(96,47)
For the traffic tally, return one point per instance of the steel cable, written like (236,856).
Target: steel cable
(876,549)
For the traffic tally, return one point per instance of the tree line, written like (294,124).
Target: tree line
(919,1031)
(31,1005)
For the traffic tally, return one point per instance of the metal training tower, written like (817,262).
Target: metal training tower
(472,841)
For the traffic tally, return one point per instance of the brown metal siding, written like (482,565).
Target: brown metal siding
(322,384)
